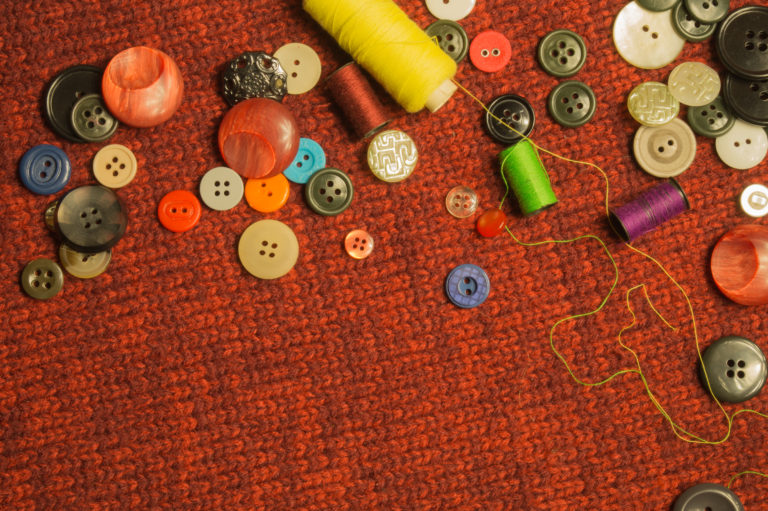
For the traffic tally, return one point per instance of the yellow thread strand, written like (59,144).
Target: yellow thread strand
(744,473)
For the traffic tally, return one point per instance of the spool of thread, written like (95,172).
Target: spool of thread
(391,47)
(356,98)
(526,176)
(654,207)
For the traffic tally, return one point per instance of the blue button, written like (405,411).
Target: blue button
(309,159)
(45,169)
(467,286)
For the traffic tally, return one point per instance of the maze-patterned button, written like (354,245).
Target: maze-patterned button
(392,156)
(694,83)
(467,286)
(651,104)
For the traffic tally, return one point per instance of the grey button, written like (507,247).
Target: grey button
(736,369)
(708,496)
(42,278)
(221,188)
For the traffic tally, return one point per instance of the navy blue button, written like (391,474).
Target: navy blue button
(467,286)
(45,169)
(309,159)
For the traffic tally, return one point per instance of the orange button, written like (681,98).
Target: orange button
(268,194)
(179,211)
(359,244)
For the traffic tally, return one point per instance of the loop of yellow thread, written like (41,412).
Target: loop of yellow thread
(744,473)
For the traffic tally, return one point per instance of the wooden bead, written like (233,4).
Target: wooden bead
(740,264)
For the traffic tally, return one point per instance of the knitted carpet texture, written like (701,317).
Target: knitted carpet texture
(176,380)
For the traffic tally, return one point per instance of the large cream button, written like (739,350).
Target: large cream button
(665,151)
(743,147)
(84,266)
(302,65)
(114,166)
(268,249)
(646,39)
(651,104)
(694,83)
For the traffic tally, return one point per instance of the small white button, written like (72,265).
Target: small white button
(302,65)
(743,147)
(754,200)
(694,83)
(450,9)
(644,38)
(221,188)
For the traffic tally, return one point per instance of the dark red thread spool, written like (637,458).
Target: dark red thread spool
(356,98)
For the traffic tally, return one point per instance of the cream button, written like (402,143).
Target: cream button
(453,10)
(84,266)
(665,151)
(392,156)
(268,249)
(302,66)
(646,39)
(754,200)
(221,188)
(743,147)
(114,166)
(651,104)
(694,83)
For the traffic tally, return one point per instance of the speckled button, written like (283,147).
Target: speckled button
(114,166)
(221,188)
(665,151)
(708,497)
(45,169)
(301,64)
(70,85)
(736,369)
(42,278)
(268,249)
(711,120)
(358,244)
(572,104)
(91,120)
(694,83)
(450,9)
(742,42)
(467,286)
(562,53)
(651,104)
(744,146)
(254,74)
(747,98)
(91,219)
(84,266)
(754,200)
(329,192)
(461,201)
(516,112)
(392,156)
(708,11)
(646,39)
(267,194)
(450,37)
(689,28)
(490,51)
(309,159)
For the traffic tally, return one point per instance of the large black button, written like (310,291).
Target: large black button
(514,111)
(747,98)
(90,219)
(254,74)
(742,42)
(708,496)
(69,86)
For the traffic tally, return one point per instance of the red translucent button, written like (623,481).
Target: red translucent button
(359,244)
(491,223)
(740,264)
(490,51)
(179,211)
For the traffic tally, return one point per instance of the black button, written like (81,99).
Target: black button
(742,42)
(254,74)
(747,98)
(514,111)
(90,219)
(708,496)
(69,86)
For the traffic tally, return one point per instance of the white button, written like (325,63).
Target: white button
(754,201)
(461,201)
(694,83)
(114,166)
(644,38)
(268,249)
(450,9)
(302,65)
(665,151)
(392,156)
(221,188)
(84,266)
(743,147)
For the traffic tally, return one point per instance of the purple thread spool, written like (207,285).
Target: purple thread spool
(650,210)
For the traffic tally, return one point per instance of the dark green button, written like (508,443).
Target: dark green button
(450,37)
(736,369)
(328,192)
(572,103)
(711,120)
(91,120)
(708,497)
(658,5)
(562,53)
(689,28)
(90,219)
(42,278)
(708,11)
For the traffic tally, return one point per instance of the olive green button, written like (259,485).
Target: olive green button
(651,104)
(84,266)
(42,278)
(450,37)
(689,28)
(91,120)
(572,103)
(711,120)
(562,53)
(50,215)
(708,11)
(736,369)
(658,5)
(328,192)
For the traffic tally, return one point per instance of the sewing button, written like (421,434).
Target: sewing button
(754,200)
(450,37)
(453,10)
(84,266)
(91,120)
(742,42)
(747,98)
(467,286)
(491,223)
(114,166)
(490,51)
(651,104)
(42,278)
(514,111)
(665,151)
(744,146)
(735,367)
(90,219)
(644,38)
(392,156)
(707,11)
(268,249)
(302,67)
(461,201)
(738,264)
(45,169)
(562,53)
(268,194)
(70,85)
(358,244)
(657,5)
(309,159)
(49,215)
(694,83)
(221,188)
(179,211)
(711,120)
(691,29)
(254,74)
(708,497)
(572,104)
(329,192)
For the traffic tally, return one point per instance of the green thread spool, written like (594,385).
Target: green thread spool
(523,171)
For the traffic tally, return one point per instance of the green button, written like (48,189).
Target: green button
(658,5)
(708,11)
(711,120)
(91,120)
(42,278)
(450,37)
(736,369)
(562,53)
(328,192)
(572,103)
(691,29)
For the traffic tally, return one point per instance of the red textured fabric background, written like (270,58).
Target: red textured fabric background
(178,381)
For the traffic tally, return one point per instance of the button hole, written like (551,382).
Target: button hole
(49,274)
(35,283)
(47,285)
(742,364)
(740,374)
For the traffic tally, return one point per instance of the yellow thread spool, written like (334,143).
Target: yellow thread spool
(391,47)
